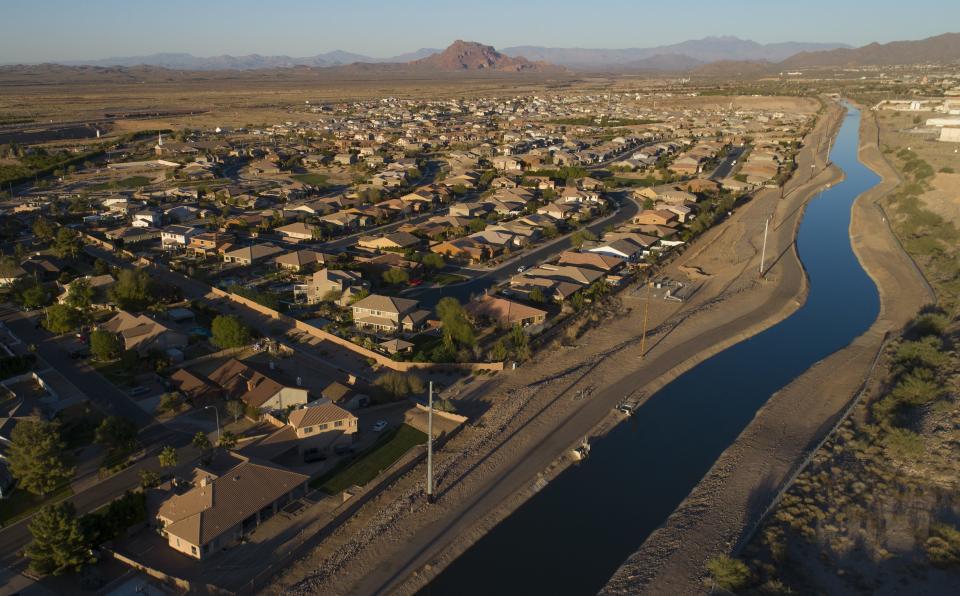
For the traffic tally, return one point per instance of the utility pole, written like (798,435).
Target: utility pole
(430,496)
(763,252)
(646,309)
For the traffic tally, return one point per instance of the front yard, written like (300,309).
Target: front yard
(367,465)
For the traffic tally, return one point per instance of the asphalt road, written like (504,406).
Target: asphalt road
(726,166)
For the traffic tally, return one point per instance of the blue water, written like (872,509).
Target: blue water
(573,535)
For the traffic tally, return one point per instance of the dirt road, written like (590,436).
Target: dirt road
(397,542)
(745,478)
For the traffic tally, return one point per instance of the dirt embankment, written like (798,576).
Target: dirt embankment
(397,543)
(746,477)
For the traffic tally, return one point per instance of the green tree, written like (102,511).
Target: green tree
(67,244)
(104,345)
(227,440)
(168,457)
(229,332)
(36,457)
(201,441)
(580,236)
(331,295)
(30,294)
(59,546)
(457,330)
(133,290)
(396,275)
(171,401)
(61,318)
(433,260)
(536,295)
(149,478)
(80,294)
(116,434)
(43,229)
(100,267)
(728,573)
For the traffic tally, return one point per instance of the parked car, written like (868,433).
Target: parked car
(139,390)
(379,426)
(521,268)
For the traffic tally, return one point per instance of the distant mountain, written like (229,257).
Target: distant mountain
(183,61)
(663,63)
(940,49)
(708,49)
(472,56)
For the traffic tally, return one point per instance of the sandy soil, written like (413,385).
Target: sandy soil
(538,412)
(744,480)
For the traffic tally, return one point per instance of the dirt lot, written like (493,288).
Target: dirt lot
(536,413)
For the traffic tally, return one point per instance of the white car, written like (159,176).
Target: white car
(521,268)
(379,426)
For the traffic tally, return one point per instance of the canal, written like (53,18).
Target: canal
(573,535)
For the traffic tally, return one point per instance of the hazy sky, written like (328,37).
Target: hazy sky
(38,30)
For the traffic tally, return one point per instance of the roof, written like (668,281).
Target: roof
(300,258)
(254,252)
(319,414)
(386,303)
(205,512)
(502,309)
(241,381)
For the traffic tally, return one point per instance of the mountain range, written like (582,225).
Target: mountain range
(679,56)
(712,56)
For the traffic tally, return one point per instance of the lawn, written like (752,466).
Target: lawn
(445,279)
(21,503)
(313,179)
(131,182)
(366,466)
(114,372)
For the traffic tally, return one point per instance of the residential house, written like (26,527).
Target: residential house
(322,425)
(177,236)
(657,217)
(262,390)
(388,313)
(248,255)
(221,509)
(505,313)
(142,334)
(325,281)
(297,231)
(394,241)
(300,260)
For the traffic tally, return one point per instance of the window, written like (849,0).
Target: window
(193,549)
(324,426)
(308,430)
(338,423)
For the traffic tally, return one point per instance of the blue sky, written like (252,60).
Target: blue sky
(38,30)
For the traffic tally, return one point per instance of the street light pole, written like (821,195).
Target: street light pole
(430,496)
(763,252)
(217,416)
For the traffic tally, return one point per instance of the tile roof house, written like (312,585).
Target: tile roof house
(143,334)
(219,510)
(328,280)
(264,390)
(297,231)
(320,420)
(387,313)
(298,260)
(506,313)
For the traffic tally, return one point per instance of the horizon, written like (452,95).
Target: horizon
(417,24)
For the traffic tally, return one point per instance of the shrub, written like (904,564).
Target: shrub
(943,546)
(728,573)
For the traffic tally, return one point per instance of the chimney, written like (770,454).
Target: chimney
(251,384)
(204,481)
